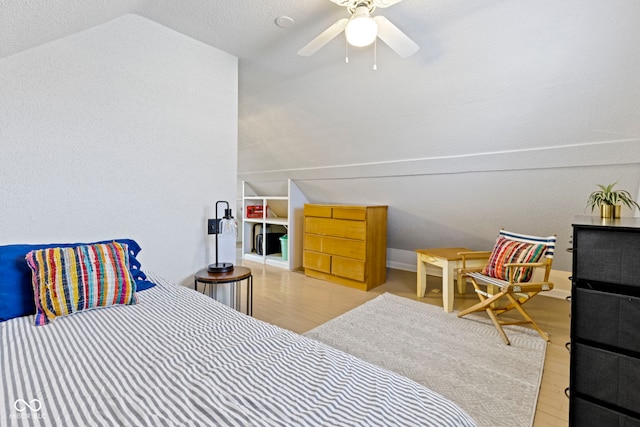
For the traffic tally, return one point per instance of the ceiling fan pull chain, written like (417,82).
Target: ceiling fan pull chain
(346,51)
(375,54)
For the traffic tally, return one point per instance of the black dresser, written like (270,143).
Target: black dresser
(605,323)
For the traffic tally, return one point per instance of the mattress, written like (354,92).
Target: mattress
(179,358)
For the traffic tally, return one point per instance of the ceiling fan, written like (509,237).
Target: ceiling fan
(361,29)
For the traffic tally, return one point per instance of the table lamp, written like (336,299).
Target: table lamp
(225,225)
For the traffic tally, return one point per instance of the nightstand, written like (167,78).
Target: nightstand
(234,277)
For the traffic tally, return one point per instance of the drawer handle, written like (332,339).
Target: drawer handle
(568,347)
(567,392)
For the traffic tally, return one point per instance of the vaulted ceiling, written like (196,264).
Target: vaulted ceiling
(286,99)
(245,28)
(486,70)
(503,95)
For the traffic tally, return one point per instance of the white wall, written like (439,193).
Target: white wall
(128,129)
(508,116)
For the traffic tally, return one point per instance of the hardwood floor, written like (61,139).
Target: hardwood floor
(299,303)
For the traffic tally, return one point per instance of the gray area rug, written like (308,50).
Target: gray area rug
(463,359)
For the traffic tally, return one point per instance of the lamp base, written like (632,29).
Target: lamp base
(220,267)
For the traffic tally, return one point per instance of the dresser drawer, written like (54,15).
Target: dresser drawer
(335,246)
(587,414)
(336,227)
(608,256)
(313,242)
(348,268)
(317,210)
(610,377)
(317,261)
(606,318)
(357,214)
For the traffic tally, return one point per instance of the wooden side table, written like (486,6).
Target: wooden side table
(234,277)
(449,260)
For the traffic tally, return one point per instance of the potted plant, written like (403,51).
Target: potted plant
(610,201)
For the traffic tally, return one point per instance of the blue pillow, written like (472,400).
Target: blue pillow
(16,290)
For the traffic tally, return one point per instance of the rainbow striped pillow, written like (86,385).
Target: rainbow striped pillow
(506,251)
(69,280)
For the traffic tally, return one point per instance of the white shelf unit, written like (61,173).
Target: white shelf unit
(283,204)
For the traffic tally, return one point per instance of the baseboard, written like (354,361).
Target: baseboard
(401,259)
(401,266)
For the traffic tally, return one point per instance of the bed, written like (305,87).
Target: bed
(179,358)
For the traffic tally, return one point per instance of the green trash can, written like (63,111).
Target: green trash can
(284,247)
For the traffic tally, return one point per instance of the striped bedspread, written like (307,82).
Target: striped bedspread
(178,358)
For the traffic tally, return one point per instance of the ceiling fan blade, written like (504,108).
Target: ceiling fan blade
(385,3)
(325,37)
(376,3)
(394,38)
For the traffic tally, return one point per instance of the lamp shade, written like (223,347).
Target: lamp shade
(228,226)
(361,30)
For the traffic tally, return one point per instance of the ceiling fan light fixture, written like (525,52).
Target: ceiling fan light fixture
(361,30)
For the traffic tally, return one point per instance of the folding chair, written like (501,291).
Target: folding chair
(508,275)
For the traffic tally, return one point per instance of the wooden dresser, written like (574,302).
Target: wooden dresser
(346,244)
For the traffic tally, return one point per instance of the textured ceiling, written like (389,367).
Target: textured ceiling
(244,28)
(496,71)
(272,76)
